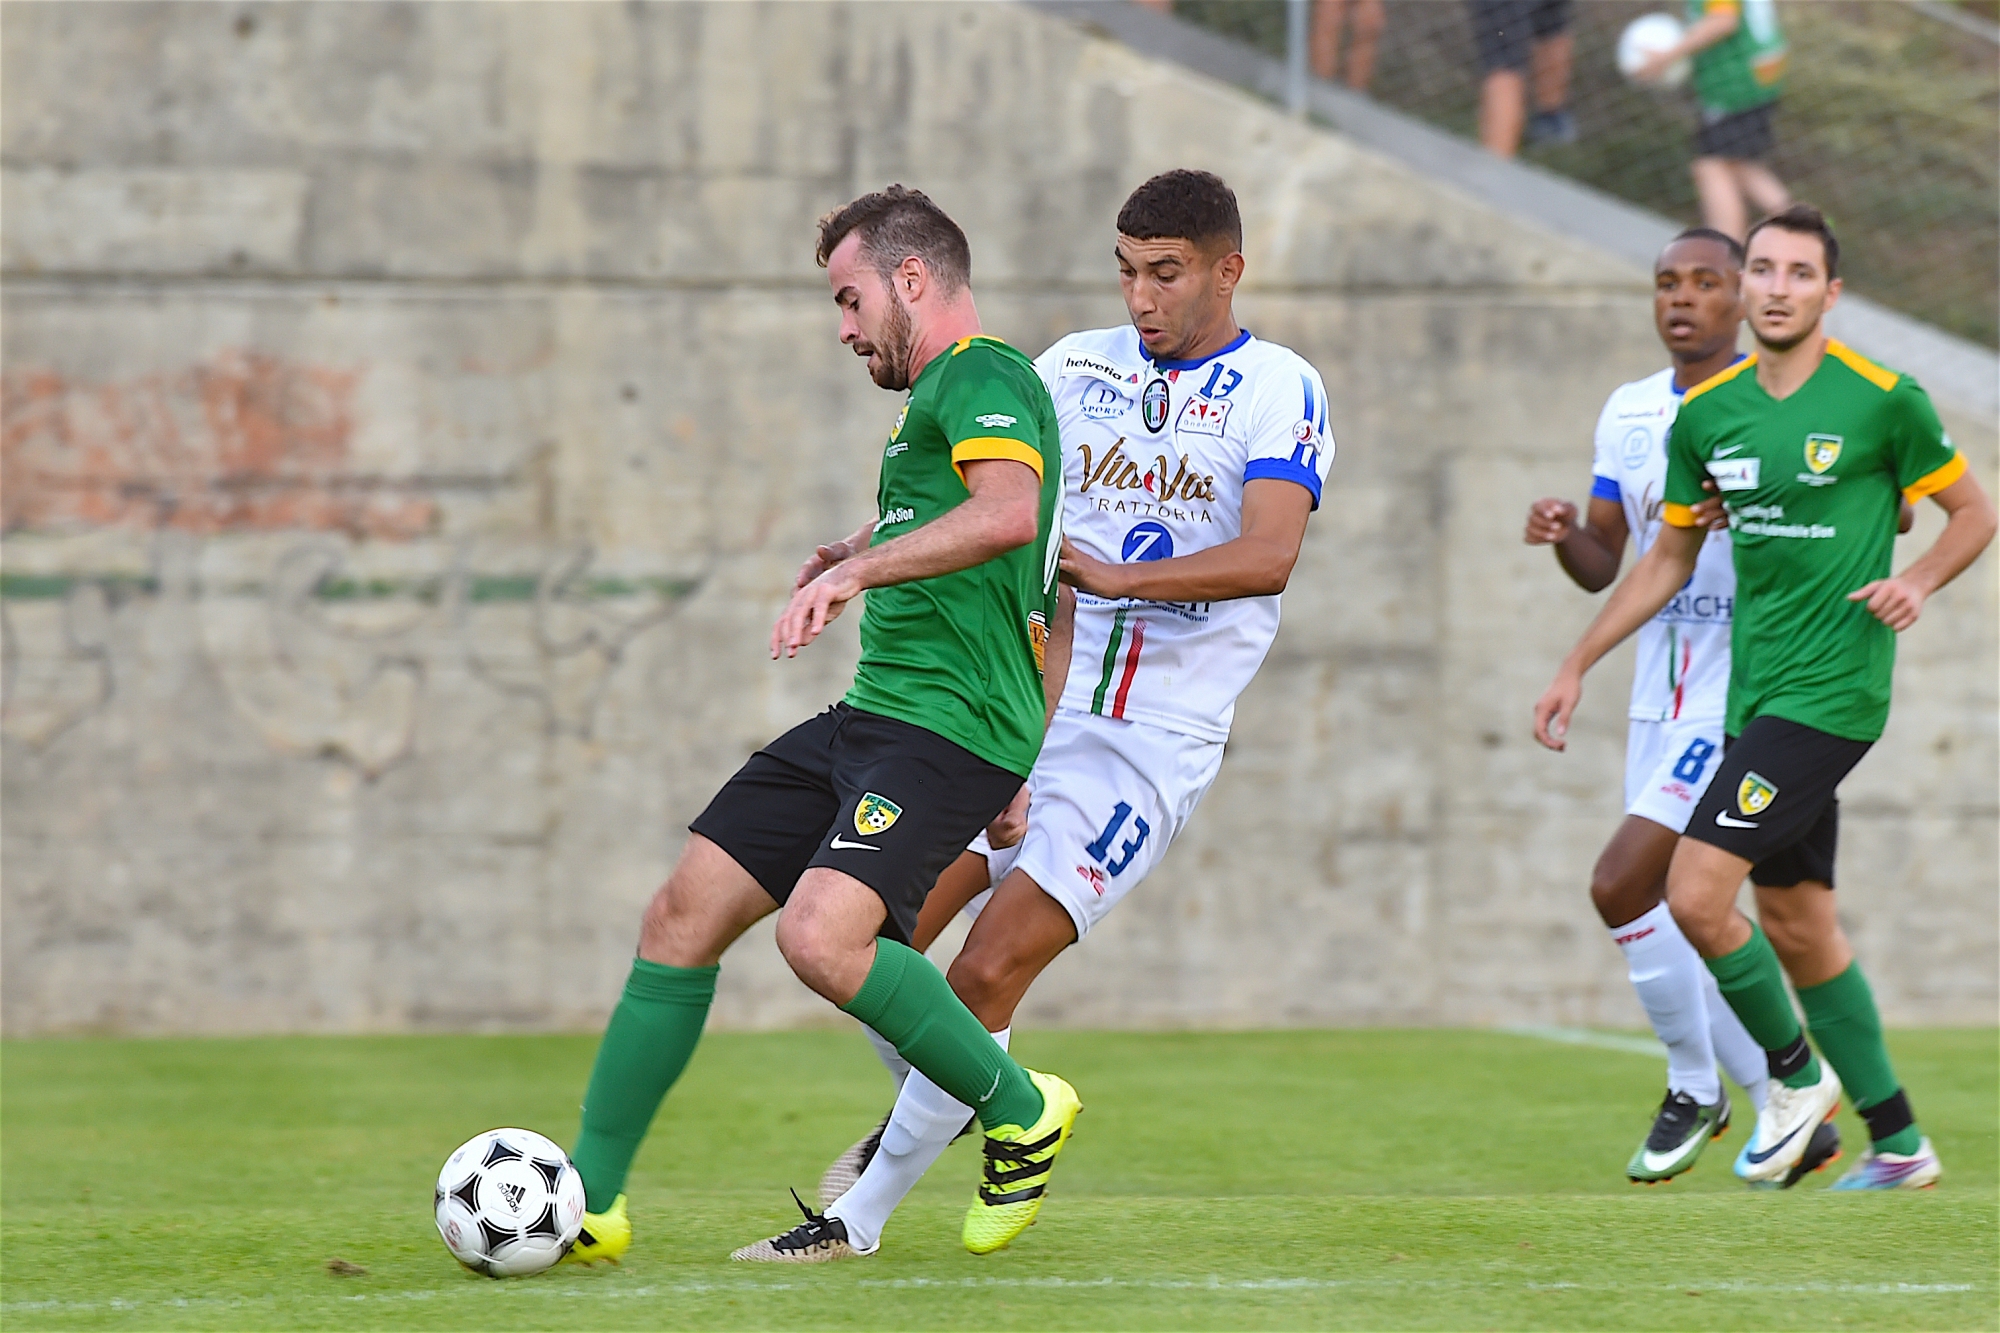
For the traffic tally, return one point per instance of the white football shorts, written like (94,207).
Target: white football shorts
(1106,799)
(1668,766)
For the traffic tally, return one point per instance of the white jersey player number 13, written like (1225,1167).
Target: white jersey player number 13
(1155,457)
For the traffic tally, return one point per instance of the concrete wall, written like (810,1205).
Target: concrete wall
(413,415)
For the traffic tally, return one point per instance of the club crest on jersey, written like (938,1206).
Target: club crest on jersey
(875,814)
(1754,794)
(901,417)
(1153,405)
(1821,452)
(1203,416)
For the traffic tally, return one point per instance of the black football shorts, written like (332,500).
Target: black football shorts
(874,797)
(1772,802)
(1741,136)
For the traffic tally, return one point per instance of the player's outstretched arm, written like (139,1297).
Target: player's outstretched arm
(1256,564)
(1590,552)
(1651,585)
(1002,512)
(1898,601)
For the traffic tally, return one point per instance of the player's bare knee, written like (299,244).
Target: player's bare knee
(984,978)
(807,948)
(1621,897)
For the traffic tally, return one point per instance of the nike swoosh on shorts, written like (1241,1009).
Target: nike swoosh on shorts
(841,844)
(1721,817)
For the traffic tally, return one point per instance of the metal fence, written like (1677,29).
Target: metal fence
(1890,122)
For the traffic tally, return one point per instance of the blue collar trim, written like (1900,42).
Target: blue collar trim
(1241,338)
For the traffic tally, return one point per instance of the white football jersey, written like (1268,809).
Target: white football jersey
(1155,455)
(1683,668)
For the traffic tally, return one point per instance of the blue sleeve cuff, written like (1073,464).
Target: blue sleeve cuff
(1603,488)
(1283,469)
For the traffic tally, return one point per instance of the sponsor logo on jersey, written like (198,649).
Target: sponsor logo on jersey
(1147,541)
(875,814)
(1085,363)
(1153,405)
(1821,451)
(1100,402)
(1038,638)
(1637,447)
(1117,471)
(1305,433)
(900,515)
(1735,474)
(996,420)
(899,447)
(1754,794)
(1203,416)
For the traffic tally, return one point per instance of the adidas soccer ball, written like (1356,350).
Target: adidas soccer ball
(509,1203)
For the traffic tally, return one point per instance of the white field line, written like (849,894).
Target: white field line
(1608,1041)
(598,1291)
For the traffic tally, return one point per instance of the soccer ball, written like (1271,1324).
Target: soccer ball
(509,1203)
(1644,36)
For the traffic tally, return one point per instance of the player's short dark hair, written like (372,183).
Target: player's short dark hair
(1806,221)
(895,224)
(1721,238)
(1183,205)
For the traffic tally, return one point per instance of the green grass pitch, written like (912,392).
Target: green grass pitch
(1358,1179)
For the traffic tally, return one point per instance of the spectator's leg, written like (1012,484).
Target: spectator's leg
(1363,37)
(1324,43)
(1721,197)
(1551,64)
(1757,183)
(1503,111)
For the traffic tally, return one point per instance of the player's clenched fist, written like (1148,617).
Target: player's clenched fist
(1553,709)
(1549,521)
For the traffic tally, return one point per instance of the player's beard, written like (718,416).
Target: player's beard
(892,349)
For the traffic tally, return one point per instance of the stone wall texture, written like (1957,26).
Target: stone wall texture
(414,414)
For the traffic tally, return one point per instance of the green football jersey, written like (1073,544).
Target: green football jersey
(1813,486)
(1745,69)
(961,654)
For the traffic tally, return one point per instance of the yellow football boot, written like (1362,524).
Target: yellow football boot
(1018,1164)
(605,1235)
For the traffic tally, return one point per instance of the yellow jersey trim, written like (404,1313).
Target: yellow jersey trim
(994,446)
(1880,376)
(1719,377)
(972,338)
(1677,516)
(1936,481)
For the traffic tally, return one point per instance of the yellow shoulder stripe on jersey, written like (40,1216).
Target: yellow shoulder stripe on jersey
(972,338)
(1719,377)
(1720,6)
(994,446)
(1880,376)
(1676,516)
(1935,481)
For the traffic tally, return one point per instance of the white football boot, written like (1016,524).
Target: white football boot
(1786,1125)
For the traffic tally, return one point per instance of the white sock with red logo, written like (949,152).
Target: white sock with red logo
(1668,973)
(925,1121)
(1742,1058)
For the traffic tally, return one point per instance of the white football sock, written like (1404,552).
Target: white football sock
(1668,974)
(1742,1058)
(892,1059)
(925,1121)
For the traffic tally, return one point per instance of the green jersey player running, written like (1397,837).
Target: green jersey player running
(845,821)
(1811,446)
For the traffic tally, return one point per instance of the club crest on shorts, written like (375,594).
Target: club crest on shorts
(1753,795)
(1153,405)
(1821,451)
(875,814)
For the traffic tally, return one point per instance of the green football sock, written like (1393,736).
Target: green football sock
(909,1002)
(1848,1028)
(1753,982)
(646,1044)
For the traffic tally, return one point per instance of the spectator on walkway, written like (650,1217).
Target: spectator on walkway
(1523,42)
(1365,20)
(1739,73)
